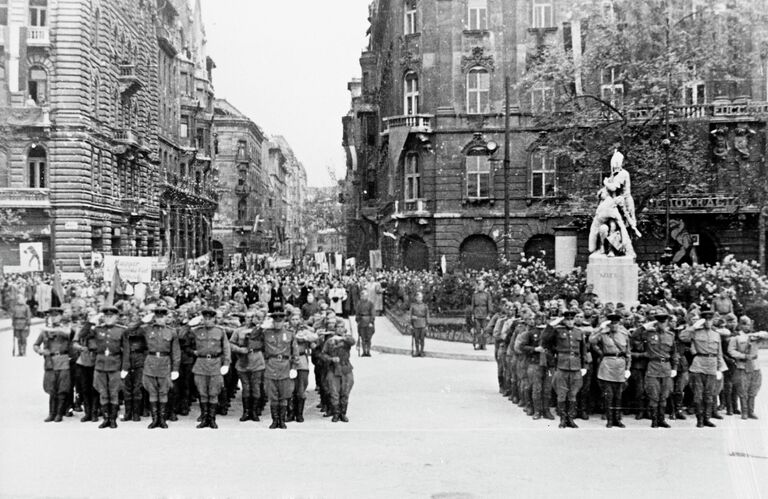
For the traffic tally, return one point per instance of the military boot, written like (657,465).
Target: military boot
(617,419)
(735,402)
(537,409)
(253,409)
(678,406)
(744,407)
(212,410)
(203,416)
(246,409)
(60,408)
(751,408)
(502,389)
(545,413)
(300,410)
(705,416)
(654,417)
(169,413)
(343,413)
(107,413)
(661,421)
(51,408)
(275,410)
(162,407)
(335,414)
(113,408)
(153,414)
(282,411)
(128,414)
(571,415)
(289,410)
(561,413)
(87,410)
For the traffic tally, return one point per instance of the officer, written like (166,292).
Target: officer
(21,318)
(707,366)
(419,314)
(638,368)
(161,365)
(683,376)
(538,376)
(743,349)
(137,351)
(365,316)
(53,343)
(523,356)
(480,306)
(340,379)
(663,360)
(110,343)
(566,343)
(213,356)
(84,366)
(248,343)
(280,351)
(184,386)
(305,340)
(612,344)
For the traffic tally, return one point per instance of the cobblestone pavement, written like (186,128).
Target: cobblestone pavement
(418,428)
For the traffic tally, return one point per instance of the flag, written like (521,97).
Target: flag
(82,263)
(256,223)
(117,288)
(57,287)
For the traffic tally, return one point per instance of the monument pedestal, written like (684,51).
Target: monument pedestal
(615,279)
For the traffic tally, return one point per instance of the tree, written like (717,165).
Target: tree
(12,225)
(636,59)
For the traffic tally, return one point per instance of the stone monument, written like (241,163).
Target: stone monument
(612,270)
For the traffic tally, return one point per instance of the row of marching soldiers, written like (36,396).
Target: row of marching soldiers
(587,361)
(149,359)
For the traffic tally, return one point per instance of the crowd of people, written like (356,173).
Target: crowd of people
(163,346)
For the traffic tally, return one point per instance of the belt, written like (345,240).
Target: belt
(614,355)
(279,357)
(705,355)
(209,356)
(661,359)
(159,354)
(56,354)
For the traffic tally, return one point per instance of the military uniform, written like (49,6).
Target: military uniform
(163,358)
(137,351)
(280,350)
(366,317)
(212,351)
(111,346)
(614,349)
(21,318)
(663,358)
(538,375)
(747,378)
(53,344)
(481,308)
(84,368)
(248,344)
(419,316)
(340,378)
(638,368)
(567,345)
(184,386)
(681,380)
(304,340)
(706,348)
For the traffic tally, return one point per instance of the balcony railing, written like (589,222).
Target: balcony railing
(719,110)
(130,82)
(414,122)
(127,136)
(242,190)
(412,207)
(25,198)
(133,206)
(38,36)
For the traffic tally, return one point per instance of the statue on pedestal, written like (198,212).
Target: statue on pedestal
(615,213)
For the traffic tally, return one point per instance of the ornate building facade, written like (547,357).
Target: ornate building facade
(425,140)
(91,103)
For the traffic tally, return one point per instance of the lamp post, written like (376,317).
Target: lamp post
(506,168)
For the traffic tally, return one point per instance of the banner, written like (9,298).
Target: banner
(31,257)
(159,263)
(132,268)
(375,259)
(97,259)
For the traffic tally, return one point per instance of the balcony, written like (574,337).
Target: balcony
(242,190)
(166,40)
(127,137)
(25,198)
(189,102)
(29,116)
(415,123)
(411,208)
(38,36)
(130,83)
(721,110)
(134,207)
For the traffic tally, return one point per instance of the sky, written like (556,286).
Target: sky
(286,64)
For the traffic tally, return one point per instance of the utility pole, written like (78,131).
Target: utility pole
(506,168)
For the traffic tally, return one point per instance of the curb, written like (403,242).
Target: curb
(434,355)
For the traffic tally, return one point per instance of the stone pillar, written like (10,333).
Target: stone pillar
(615,279)
(566,243)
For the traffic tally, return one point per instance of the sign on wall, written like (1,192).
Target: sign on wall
(31,257)
(132,268)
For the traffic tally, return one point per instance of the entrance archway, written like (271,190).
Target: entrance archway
(414,252)
(478,252)
(541,246)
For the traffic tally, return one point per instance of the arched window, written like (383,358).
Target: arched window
(36,161)
(411,93)
(242,210)
(478,90)
(37,85)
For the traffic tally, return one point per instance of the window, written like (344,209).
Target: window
(242,210)
(412,177)
(411,83)
(37,12)
(542,14)
(478,89)
(478,14)
(411,25)
(542,99)
(37,85)
(36,160)
(543,173)
(241,151)
(694,92)
(611,87)
(478,176)
(183,130)
(3,12)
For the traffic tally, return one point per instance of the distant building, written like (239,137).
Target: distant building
(331,241)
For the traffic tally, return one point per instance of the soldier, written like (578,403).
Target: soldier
(137,351)
(728,395)
(366,317)
(538,377)
(184,386)
(280,350)
(53,344)
(743,349)
(84,366)
(21,318)
(248,343)
(213,357)
(161,365)
(340,379)
(612,344)
(663,359)
(481,308)
(496,325)
(419,314)
(110,343)
(566,343)
(707,366)
(638,368)
(681,380)
(305,340)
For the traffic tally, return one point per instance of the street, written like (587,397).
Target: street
(418,428)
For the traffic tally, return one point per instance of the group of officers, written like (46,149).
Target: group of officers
(157,360)
(587,357)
